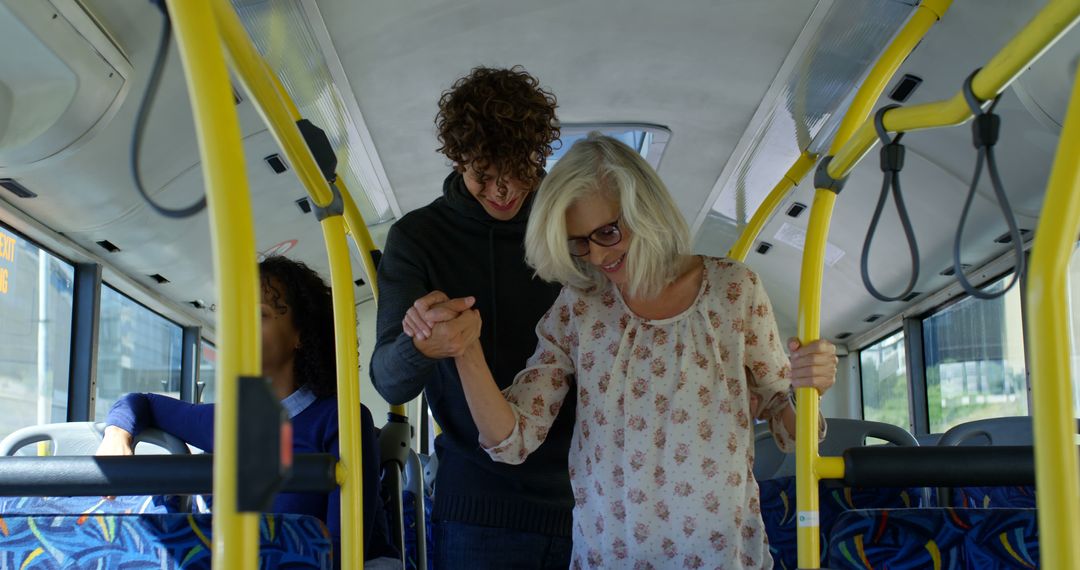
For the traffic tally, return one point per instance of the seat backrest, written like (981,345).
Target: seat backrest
(840,435)
(83,438)
(1015,430)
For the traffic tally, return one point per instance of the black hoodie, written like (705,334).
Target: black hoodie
(454,246)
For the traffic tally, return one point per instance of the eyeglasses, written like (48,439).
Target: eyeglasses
(606,236)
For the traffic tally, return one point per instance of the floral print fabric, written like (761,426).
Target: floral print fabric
(662,451)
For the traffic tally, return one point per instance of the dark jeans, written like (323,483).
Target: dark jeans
(460,546)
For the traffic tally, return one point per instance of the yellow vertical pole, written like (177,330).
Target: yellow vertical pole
(281,115)
(764,212)
(807,504)
(235,535)
(1056,470)
(350,469)
(809,466)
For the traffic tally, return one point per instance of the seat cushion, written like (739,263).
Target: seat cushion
(165,541)
(934,538)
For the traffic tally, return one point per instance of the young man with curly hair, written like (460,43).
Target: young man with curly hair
(455,263)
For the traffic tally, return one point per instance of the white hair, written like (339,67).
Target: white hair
(601,164)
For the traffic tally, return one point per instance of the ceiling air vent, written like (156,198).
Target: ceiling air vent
(872,318)
(950,271)
(359,282)
(764,247)
(1007,237)
(276,164)
(108,246)
(159,278)
(911,296)
(304,204)
(197,303)
(16,188)
(796,209)
(843,335)
(904,88)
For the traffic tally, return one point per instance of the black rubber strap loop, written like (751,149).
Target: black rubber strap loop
(984,135)
(143,114)
(892,162)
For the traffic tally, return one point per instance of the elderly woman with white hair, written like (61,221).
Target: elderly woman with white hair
(666,351)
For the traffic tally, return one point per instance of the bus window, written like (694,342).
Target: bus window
(207,371)
(35,338)
(975,367)
(138,351)
(885,381)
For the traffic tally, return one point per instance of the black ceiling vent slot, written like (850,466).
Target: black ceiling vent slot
(304,204)
(764,247)
(911,296)
(950,271)
(1007,237)
(16,188)
(873,318)
(796,209)
(843,335)
(359,282)
(197,303)
(161,280)
(236,96)
(904,88)
(108,246)
(276,164)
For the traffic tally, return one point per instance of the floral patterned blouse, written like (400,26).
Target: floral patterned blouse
(662,454)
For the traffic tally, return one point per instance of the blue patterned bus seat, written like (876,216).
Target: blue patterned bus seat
(1013,497)
(411,555)
(132,505)
(778,512)
(950,539)
(159,541)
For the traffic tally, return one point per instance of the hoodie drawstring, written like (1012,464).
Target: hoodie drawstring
(494,302)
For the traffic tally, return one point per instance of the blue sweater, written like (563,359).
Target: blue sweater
(315,430)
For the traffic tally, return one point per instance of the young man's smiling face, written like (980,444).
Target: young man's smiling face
(501,198)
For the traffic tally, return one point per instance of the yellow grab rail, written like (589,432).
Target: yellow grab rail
(281,115)
(764,212)
(350,474)
(1056,471)
(809,466)
(1037,36)
(236,535)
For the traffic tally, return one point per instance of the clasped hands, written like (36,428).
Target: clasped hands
(442,327)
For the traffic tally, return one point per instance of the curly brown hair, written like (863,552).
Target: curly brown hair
(501,118)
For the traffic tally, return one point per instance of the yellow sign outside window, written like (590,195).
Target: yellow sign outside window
(7,261)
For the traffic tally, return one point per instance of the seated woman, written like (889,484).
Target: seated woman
(664,350)
(298,357)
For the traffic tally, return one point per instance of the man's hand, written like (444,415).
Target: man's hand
(431,309)
(449,339)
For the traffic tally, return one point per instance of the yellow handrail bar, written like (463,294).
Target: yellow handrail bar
(235,535)
(281,115)
(764,212)
(1056,471)
(1037,36)
(809,466)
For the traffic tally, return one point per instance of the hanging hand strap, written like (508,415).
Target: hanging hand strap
(985,132)
(892,162)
